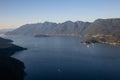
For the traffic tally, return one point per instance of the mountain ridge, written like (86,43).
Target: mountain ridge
(67,27)
(104,31)
(108,29)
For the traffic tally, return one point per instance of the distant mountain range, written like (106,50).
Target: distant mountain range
(50,28)
(3,31)
(99,28)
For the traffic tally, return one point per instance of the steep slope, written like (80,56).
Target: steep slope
(50,28)
(98,27)
(103,26)
(103,31)
(34,29)
(70,27)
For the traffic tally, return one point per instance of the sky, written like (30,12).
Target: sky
(14,13)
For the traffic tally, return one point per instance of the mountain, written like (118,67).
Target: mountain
(70,27)
(101,30)
(104,31)
(2,31)
(50,28)
(33,29)
(103,26)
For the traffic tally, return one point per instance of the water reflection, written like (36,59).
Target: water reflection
(11,69)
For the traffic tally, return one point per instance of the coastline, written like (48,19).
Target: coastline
(10,68)
(100,42)
(7,48)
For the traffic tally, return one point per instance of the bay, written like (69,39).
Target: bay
(65,58)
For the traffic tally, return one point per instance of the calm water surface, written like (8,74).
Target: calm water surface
(65,58)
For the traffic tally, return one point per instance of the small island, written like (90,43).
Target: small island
(41,35)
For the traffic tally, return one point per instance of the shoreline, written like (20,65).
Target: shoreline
(7,48)
(109,43)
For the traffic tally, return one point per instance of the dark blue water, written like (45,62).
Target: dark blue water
(65,58)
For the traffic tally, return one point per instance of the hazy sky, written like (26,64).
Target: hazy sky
(14,13)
